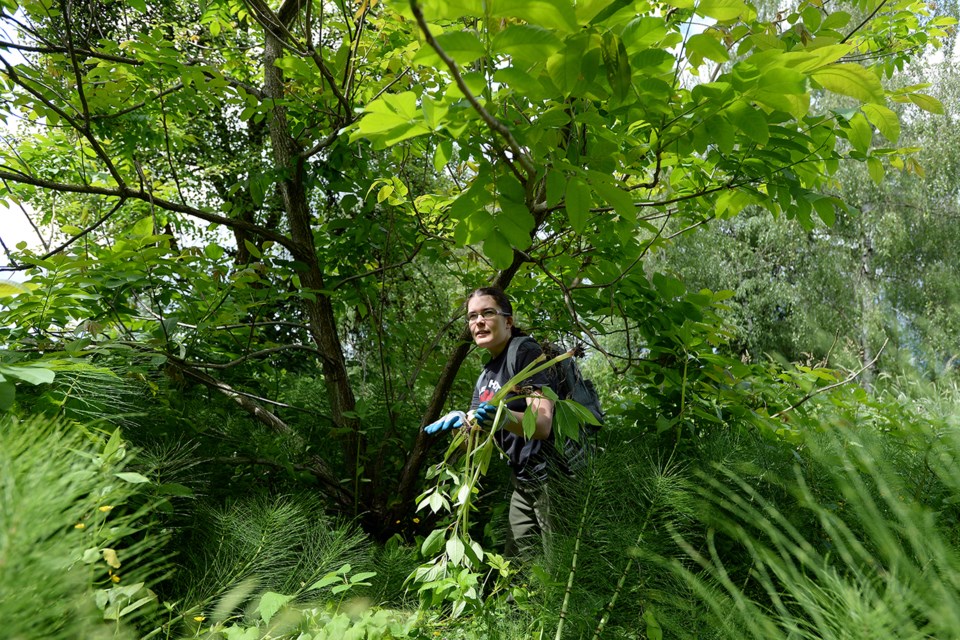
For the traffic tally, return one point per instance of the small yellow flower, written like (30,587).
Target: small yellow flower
(79,525)
(416,521)
(115,578)
(199,618)
(106,507)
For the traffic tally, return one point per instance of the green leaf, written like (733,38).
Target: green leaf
(257,192)
(325,581)
(836,20)
(8,393)
(391,119)
(131,477)
(498,249)
(556,186)
(643,33)
(213,251)
(784,90)
(927,103)
(551,14)
(825,209)
(596,11)
(751,121)
(30,373)
(142,228)
(136,605)
(723,10)
(616,63)
(529,422)
(455,550)
(860,133)
(610,192)
(450,9)
(270,604)
(706,45)
(653,629)
(360,577)
(433,543)
(9,288)
(442,155)
(884,119)
(852,80)
(668,286)
(515,222)
(463,46)
(526,43)
(253,249)
(521,82)
(578,204)
(875,167)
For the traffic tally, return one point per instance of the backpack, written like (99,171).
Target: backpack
(570,385)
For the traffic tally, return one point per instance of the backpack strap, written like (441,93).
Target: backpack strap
(512,350)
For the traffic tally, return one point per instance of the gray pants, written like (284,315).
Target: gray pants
(529,520)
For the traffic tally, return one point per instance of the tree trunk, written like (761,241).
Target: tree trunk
(318,306)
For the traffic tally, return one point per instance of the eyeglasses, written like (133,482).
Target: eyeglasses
(486,314)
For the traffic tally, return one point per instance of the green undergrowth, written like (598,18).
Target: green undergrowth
(79,550)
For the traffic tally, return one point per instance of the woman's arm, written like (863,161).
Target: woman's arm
(543,407)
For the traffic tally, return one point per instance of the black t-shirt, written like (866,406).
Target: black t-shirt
(527,458)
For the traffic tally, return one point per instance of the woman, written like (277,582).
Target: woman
(491,323)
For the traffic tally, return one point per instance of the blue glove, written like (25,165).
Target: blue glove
(485,414)
(452,420)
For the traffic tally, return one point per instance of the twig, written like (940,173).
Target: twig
(853,376)
(86,231)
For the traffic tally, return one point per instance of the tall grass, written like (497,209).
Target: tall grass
(74,551)
(863,547)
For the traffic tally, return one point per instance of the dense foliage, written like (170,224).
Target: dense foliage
(258,224)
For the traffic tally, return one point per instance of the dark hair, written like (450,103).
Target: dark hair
(503,300)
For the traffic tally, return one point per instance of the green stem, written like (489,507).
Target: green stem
(623,579)
(573,566)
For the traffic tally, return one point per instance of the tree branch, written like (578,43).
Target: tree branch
(864,22)
(86,231)
(379,270)
(126,192)
(139,105)
(319,467)
(853,376)
(257,354)
(498,127)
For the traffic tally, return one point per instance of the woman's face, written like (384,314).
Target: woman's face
(493,333)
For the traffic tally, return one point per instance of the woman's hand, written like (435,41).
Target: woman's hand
(453,420)
(485,415)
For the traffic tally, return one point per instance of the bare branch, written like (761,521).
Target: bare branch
(257,354)
(379,270)
(62,50)
(325,72)
(864,22)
